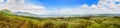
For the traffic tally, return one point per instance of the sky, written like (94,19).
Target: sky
(59,4)
(62,7)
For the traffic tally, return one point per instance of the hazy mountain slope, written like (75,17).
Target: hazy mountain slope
(26,14)
(12,21)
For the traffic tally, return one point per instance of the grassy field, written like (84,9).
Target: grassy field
(14,21)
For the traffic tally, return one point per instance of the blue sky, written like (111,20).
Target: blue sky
(64,7)
(59,4)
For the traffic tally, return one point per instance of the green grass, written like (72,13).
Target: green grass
(14,21)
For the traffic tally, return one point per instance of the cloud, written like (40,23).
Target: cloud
(21,6)
(103,7)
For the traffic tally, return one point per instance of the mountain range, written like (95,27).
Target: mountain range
(55,15)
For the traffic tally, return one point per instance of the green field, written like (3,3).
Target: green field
(8,20)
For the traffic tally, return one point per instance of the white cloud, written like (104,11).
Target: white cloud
(103,7)
(19,5)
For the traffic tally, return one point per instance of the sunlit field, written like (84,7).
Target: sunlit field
(9,20)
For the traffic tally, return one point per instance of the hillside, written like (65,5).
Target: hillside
(12,21)
(9,20)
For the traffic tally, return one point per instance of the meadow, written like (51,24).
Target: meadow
(8,20)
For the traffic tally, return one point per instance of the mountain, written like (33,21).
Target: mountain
(8,20)
(5,11)
(26,14)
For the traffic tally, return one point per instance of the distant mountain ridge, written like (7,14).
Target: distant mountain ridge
(35,15)
(82,15)
(5,11)
(26,14)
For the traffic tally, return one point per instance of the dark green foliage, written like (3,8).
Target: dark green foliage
(49,25)
(63,25)
(116,16)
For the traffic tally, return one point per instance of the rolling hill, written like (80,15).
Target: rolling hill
(10,20)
